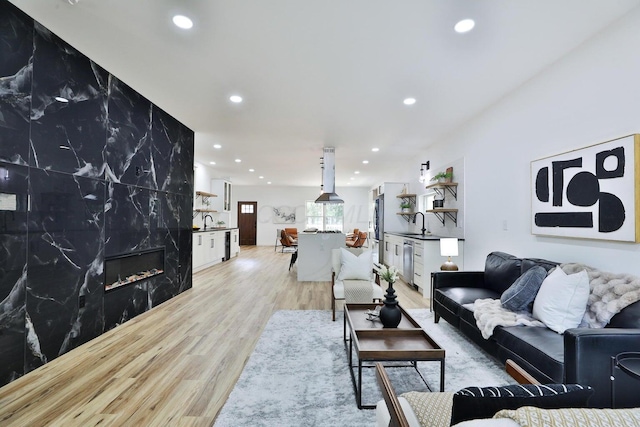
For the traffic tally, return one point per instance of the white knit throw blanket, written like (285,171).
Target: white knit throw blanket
(489,313)
(357,291)
(609,294)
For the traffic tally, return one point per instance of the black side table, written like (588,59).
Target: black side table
(627,362)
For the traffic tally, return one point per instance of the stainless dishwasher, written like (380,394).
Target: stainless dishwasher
(407,261)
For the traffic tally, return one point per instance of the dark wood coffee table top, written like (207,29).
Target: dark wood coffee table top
(357,318)
(373,342)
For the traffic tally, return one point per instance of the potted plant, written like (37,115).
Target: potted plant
(406,207)
(442,177)
(220,224)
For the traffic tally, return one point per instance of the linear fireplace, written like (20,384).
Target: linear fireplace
(133,267)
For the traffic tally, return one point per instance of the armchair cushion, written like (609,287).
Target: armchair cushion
(338,290)
(355,267)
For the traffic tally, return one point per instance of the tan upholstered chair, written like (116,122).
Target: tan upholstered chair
(352,237)
(288,240)
(359,241)
(338,286)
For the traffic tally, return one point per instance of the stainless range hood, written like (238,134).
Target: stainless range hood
(329,177)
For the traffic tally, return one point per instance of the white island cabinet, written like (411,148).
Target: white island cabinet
(314,255)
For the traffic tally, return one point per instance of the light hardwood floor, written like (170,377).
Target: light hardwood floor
(174,365)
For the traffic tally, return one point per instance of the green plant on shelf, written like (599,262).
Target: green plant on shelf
(442,176)
(405,205)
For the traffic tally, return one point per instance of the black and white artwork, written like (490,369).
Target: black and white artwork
(588,193)
(284,215)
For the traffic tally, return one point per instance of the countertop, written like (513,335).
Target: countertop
(416,236)
(214,229)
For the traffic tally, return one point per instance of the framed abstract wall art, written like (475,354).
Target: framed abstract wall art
(590,193)
(284,215)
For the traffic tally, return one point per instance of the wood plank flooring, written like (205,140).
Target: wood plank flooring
(174,365)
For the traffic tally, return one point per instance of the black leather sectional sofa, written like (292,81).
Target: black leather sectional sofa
(580,355)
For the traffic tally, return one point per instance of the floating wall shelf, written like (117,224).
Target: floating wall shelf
(205,197)
(442,187)
(411,199)
(442,214)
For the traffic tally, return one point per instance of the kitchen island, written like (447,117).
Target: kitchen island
(314,255)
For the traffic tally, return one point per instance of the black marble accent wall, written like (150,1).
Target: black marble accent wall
(89,169)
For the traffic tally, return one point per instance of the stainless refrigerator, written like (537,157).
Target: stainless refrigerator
(385,214)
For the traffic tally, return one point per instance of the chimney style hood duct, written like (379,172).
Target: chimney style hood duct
(329,177)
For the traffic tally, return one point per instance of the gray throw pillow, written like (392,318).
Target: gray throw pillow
(521,294)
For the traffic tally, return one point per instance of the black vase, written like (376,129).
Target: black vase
(390,314)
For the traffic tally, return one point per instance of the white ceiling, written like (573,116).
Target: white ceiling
(317,73)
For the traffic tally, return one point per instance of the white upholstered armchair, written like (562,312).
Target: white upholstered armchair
(353,277)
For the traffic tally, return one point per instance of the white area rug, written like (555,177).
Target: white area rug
(298,374)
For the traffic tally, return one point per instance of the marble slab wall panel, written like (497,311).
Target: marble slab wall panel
(125,303)
(65,263)
(172,153)
(167,235)
(127,218)
(16,50)
(128,150)
(67,136)
(122,182)
(14,193)
(186,238)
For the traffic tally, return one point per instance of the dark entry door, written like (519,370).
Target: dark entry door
(247,222)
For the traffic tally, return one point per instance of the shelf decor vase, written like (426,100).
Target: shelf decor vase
(390,314)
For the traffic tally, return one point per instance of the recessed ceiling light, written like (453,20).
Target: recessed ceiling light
(464,26)
(409,101)
(268,182)
(183,22)
(261,177)
(357,172)
(365,161)
(212,163)
(375,150)
(352,178)
(61,99)
(238,160)
(235,99)
(252,170)
(217,146)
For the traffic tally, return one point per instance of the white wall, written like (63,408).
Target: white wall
(356,207)
(588,97)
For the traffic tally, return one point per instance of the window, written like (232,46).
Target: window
(324,216)
(248,209)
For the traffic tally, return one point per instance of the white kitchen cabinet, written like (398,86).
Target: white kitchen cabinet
(198,254)
(235,242)
(208,249)
(427,259)
(393,251)
(222,188)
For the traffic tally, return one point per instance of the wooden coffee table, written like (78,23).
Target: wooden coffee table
(373,343)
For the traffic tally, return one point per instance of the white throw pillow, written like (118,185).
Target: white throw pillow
(562,300)
(354,267)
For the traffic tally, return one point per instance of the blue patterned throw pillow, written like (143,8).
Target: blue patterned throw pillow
(475,402)
(521,294)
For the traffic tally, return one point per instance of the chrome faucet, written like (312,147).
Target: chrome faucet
(211,218)
(414,221)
